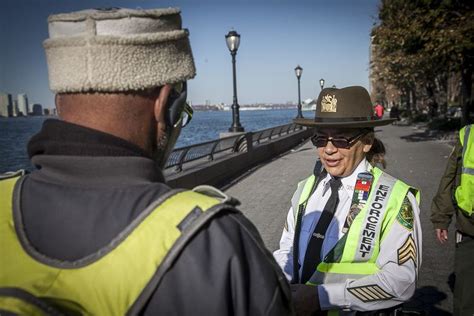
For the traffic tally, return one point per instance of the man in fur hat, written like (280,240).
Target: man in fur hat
(95,230)
(352,241)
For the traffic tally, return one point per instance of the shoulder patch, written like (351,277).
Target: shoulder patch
(405,215)
(370,293)
(407,251)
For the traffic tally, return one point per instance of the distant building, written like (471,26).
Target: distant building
(6,104)
(11,110)
(16,112)
(23,104)
(308,105)
(37,109)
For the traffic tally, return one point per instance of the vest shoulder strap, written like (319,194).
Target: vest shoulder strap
(216,193)
(305,188)
(196,222)
(12,174)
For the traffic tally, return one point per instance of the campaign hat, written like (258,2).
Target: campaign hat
(348,107)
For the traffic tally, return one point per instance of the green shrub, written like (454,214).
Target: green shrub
(445,124)
(420,117)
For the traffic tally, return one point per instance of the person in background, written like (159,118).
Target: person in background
(456,196)
(379,110)
(95,230)
(351,244)
(395,112)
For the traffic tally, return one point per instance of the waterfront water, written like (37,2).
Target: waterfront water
(15,132)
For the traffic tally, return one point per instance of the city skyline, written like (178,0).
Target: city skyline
(19,107)
(329,39)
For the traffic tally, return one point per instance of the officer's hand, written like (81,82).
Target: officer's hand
(442,235)
(306,300)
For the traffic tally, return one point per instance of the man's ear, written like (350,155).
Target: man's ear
(160,104)
(57,104)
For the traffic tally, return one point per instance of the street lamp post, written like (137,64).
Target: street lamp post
(321,83)
(298,72)
(233,40)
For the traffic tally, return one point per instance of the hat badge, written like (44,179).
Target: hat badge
(329,103)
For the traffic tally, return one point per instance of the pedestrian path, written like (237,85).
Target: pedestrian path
(265,193)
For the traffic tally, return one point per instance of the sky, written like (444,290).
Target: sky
(328,38)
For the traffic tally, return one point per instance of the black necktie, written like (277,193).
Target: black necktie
(313,252)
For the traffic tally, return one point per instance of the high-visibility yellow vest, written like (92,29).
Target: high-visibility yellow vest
(464,193)
(118,279)
(355,254)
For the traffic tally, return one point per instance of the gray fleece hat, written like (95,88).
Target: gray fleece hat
(112,50)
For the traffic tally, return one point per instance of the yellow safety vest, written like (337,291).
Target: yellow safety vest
(357,252)
(464,193)
(118,279)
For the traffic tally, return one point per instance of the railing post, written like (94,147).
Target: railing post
(179,167)
(249,140)
(211,154)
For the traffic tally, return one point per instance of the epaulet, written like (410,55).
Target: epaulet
(217,194)
(12,174)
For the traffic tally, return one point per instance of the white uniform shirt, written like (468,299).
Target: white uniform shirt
(398,281)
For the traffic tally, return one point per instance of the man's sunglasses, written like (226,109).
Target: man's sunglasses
(339,142)
(186,115)
(179,111)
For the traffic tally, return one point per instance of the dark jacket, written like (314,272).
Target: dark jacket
(90,185)
(444,204)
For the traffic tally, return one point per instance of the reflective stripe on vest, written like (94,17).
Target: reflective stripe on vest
(111,281)
(302,194)
(464,193)
(360,246)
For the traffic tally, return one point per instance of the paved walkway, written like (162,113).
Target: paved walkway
(416,157)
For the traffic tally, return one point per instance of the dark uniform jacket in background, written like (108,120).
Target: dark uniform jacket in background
(90,185)
(444,204)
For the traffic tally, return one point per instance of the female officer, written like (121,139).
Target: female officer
(352,239)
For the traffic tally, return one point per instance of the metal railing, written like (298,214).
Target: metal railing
(226,146)
(274,132)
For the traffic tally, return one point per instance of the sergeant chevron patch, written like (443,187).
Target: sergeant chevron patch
(407,251)
(370,293)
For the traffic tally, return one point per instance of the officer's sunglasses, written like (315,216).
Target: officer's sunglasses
(339,142)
